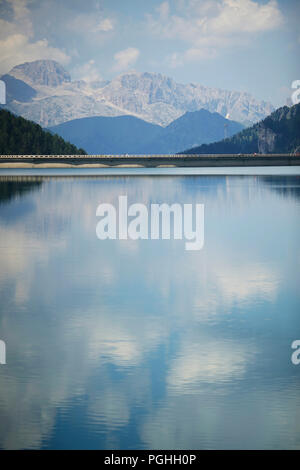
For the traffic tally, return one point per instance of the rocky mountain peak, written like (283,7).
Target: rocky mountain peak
(41,72)
(150,96)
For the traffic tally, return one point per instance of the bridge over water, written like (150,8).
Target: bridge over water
(150,161)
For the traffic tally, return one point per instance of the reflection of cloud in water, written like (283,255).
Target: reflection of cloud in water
(19,253)
(81,308)
(246,282)
(208,361)
(238,419)
(110,408)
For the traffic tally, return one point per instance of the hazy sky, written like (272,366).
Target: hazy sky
(247,45)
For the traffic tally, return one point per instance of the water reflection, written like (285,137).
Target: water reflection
(142,344)
(285,185)
(13,187)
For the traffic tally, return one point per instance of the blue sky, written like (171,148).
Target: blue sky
(245,45)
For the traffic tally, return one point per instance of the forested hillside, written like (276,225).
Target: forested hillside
(277,133)
(21,137)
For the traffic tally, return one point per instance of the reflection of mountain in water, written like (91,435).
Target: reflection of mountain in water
(10,189)
(130,338)
(286,186)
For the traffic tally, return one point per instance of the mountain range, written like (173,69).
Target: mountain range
(128,134)
(44,92)
(277,133)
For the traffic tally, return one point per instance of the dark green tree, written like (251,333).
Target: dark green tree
(19,136)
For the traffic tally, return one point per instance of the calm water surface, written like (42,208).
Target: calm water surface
(142,344)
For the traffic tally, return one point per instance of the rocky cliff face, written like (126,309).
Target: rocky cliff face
(144,94)
(41,72)
(266,139)
(148,96)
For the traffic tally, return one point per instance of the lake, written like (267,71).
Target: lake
(141,344)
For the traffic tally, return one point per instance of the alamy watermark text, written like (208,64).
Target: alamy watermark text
(2,352)
(296,94)
(295,358)
(2,92)
(183,221)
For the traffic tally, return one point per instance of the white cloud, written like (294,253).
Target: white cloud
(238,16)
(21,15)
(90,23)
(175,60)
(105,25)
(16,40)
(87,72)
(6,28)
(213,25)
(17,49)
(199,54)
(125,58)
(163,10)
